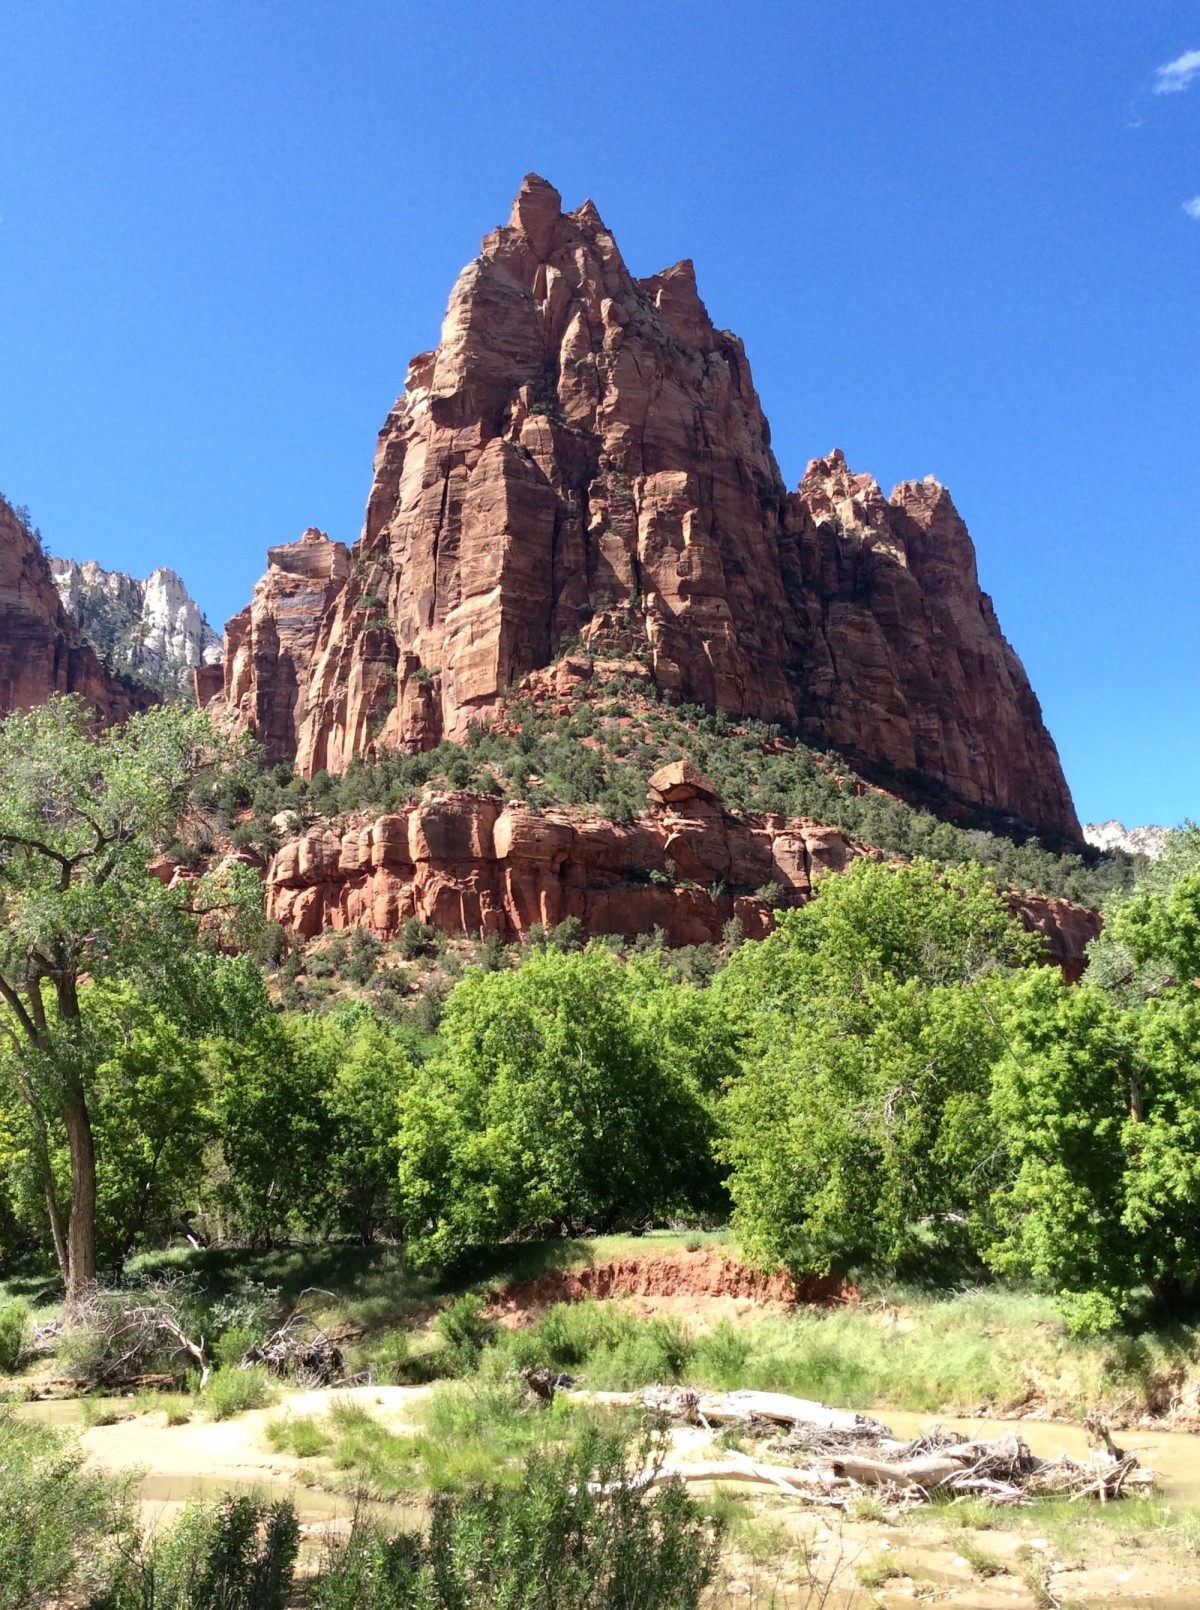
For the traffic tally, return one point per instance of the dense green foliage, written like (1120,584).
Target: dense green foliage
(872,1027)
(575,1535)
(1098,1094)
(571,1533)
(575,1092)
(889,1081)
(81,914)
(59,1527)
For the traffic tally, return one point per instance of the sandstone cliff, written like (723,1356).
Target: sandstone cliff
(271,646)
(585,453)
(469,865)
(152,629)
(42,651)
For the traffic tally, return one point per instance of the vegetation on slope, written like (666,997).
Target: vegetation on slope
(599,756)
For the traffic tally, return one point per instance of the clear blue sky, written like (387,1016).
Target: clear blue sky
(955,238)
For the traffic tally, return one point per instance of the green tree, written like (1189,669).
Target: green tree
(1096,1103)
(80,816)
(868,1020)
(272,1119)
(552,1104)
(363,1105)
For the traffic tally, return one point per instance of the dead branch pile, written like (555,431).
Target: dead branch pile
(843,1451)
(299,1351)
(121,1337)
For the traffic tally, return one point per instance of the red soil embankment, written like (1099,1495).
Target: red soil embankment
(702,1285)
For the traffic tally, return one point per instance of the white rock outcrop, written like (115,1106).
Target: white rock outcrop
(152,628)
(1115,835)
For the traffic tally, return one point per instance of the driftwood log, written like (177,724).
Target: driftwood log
(846,1451)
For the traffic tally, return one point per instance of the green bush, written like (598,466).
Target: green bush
(14,1334)
(233,1391)
(464,1331)
(236,1555)
(59,1528)
(618,1350)
(573,1535)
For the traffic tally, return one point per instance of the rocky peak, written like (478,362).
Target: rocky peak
(1114,835)
(270,647)
(152,629)
(583,446)
(42,650)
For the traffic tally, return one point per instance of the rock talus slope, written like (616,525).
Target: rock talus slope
(584,449)
(42,651)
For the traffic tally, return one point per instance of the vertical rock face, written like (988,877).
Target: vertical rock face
(270,647)
(901,662)
(42,651)
(152,628)
(585,452)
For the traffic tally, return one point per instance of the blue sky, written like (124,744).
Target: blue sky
(958,239)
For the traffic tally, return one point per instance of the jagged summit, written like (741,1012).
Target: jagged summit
(584,455)
(1114,835)
(152,629)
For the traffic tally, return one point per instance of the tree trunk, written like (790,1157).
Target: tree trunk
(81,1226)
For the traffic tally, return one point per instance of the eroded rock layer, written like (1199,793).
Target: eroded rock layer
(585,447)
(42,651)
(469,865)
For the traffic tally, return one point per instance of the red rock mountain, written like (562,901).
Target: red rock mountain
(584,448)
(42,651)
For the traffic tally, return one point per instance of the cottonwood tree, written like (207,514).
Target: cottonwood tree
(858,1128)
(81,814)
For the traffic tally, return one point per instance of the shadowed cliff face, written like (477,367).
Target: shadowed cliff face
(583,445)
(42,651)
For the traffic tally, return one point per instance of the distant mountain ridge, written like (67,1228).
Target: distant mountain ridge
(151,629)
(1115,835)
(42,650)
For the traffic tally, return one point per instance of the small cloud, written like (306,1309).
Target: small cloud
(1192,208)
(1177,74)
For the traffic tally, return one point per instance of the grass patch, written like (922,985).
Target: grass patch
(981,1562)
(178,1407)
(903,1347)
(619,1351)
(880,1568)
(233,1391)
(105,1411)
(302,1436)
(471,1432)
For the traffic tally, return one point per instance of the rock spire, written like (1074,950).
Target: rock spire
(584,453)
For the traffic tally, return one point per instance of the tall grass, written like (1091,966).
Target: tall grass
(988,1349)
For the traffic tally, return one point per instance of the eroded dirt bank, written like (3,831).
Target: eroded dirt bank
(706,1285)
